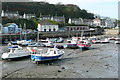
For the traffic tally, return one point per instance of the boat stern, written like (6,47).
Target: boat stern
(5,56)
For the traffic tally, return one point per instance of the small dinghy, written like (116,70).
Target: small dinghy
(16,52)
(51,54)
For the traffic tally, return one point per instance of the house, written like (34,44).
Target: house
(104,22)
(109,23)
(47,26)
(11,28)
(76,28)
(76,21)
(88,22)
(10,14)
(28,16)
(46,17)
(58,19)
(96,22)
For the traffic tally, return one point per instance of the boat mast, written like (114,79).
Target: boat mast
(25,31)
(38,37)
(20,32)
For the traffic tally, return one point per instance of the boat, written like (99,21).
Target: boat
(46,40)
(51,54)
(72,44)
(117,42)
(112,38)
(48,44)
(84,44)
(26,42)
(105,41)
(60,40)
(95,40)
(15,52)
(35,45)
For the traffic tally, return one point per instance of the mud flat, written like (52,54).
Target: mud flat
(101,61)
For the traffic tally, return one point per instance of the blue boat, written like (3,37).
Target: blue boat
(52,53)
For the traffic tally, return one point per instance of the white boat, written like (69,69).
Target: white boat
(51,54)
(16,52)
(72,44)
(48,44)
(117,42)
(105,41)
(46,40)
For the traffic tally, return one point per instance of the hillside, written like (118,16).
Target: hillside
(45,8)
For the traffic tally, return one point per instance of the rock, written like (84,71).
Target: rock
(63,67)
(87,71)
(59,70)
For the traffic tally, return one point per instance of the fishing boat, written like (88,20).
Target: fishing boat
(48,44)
(105,41)
(72,44)
(112,38)
(60,40)
(117,42)
(26,42)
(84,44)
(51,54)
(95,40)
(16,52)
(46,40)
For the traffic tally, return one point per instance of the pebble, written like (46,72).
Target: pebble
(59,70)
(63,67)
(87,71)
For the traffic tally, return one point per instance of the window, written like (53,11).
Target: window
(54,29)
(44,30)
(49,29)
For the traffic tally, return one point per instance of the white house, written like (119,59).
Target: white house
(88,22)
(75,21)
(109,23)
(28,16)
(10,14)
(58,19)
(47,27)
(97,22)
(46,17)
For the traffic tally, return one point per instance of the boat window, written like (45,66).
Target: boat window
(54,52)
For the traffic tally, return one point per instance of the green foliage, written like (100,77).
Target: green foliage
(30,24)
(53,22)
(69,10)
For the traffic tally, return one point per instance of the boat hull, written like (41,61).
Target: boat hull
(84,46)
(14,56)
(44,58)
(72,46)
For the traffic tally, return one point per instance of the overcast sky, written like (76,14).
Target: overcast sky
(107,8)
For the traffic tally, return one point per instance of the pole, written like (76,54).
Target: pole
(25,31)
(20,33)
(38,37)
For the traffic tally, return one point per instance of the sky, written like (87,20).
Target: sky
(107,8)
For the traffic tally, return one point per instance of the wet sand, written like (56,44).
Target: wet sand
(101,61)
